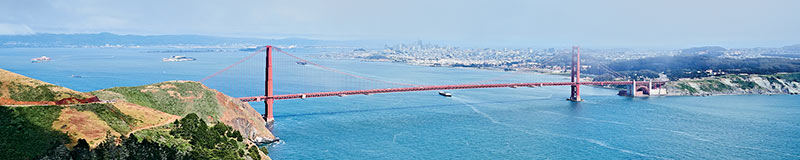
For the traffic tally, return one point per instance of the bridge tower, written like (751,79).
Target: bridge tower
(576,75)
(268,90)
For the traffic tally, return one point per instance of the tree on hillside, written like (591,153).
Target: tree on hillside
(217,142)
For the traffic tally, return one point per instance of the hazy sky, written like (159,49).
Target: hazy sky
(608,23)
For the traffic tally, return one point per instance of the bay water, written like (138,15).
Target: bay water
(499,123)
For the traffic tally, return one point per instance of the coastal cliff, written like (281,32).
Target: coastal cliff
(784,83)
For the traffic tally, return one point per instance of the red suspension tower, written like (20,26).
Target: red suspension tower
(576,75)
(268,90)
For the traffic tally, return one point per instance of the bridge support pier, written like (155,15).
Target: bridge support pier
(632,89)
(576,75)
(268,90)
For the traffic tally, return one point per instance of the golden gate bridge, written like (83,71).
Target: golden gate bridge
(268,98)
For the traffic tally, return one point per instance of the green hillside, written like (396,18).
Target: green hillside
(177,98)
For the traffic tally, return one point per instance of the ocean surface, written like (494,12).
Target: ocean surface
(500,123)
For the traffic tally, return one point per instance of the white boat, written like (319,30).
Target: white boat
(178,59)
(446,94)
(40,59)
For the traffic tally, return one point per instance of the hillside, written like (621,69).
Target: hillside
(33,125)
(184,97)
(17,89)
(786,83)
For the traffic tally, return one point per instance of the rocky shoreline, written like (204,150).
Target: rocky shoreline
(784,83)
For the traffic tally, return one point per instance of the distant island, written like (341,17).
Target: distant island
(167,120)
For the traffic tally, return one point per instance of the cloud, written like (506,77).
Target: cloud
(15,29)
(479,22)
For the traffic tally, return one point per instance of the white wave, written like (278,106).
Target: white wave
(601,143)
(394,138)
(584,118)
(540,97)
(692,136)
(765,150)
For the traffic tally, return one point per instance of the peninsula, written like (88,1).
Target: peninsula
(167,120)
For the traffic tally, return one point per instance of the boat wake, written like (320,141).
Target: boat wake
(682,133)
(540,132)
(394,138)
(584,118)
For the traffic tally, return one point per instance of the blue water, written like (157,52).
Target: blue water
(501,123)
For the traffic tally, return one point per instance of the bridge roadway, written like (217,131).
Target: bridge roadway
(428,88)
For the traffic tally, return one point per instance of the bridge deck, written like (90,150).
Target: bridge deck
(427,88)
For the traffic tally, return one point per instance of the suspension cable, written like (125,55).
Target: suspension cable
(232,65)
